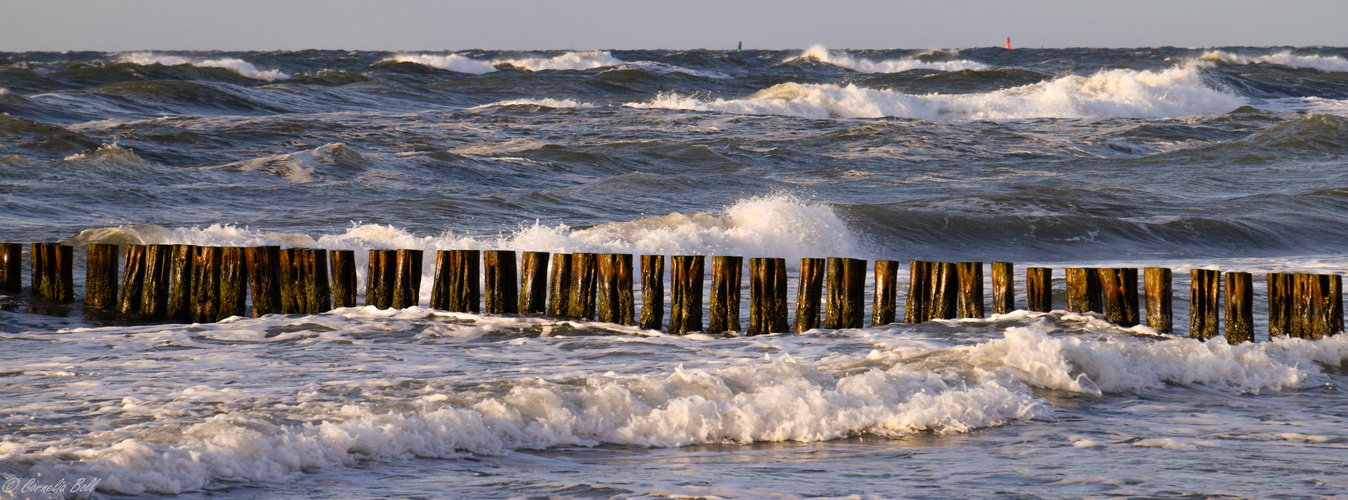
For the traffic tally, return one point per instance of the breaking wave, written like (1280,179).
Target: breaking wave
(842,60)
(239,66)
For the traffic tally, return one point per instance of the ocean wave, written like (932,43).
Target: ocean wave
(544,103)
(1328,64)
(239,66)
(1174,92)
(842,60)
(463,64)
(659,68)
(305,167)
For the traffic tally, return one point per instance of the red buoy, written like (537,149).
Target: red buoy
(1008,43)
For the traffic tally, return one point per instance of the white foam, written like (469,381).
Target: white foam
(239,66)
(1174,92)
(568,61)
(547,103)
(860,65)
(1334,64)
(451,62)
(462,64)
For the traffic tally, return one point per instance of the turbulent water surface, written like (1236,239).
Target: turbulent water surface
(1229,158)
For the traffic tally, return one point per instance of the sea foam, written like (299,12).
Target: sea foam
(1328,64)
(463,64)
(1175,92)
(860,65)
(239,66)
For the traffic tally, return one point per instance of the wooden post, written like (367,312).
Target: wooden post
(1160,298)
(233,283)
(652,291)
(38,268)
(1279,304)
(206,284)
(264,271)
(726,282)
(343,268)
(584,273)
(1118,294)
(1039,289)
(500,282)
(767,296)
(917,308)
(1003,287)
(533,283)
(407,279)
(1083,290)
(1335,304)
(11,267)
(559,288)
(100,277)
(457,287)
(53,271)
(846,305)
(885,305)
(614,302)
(944,281)
(1239,307)
(133,282)
(379,278)
(685,295)
(180,283)
(319,287)
(970,276)
(292,283)
(809,292)
(1204,303)
(155,294)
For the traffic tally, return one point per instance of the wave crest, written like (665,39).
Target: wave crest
(239,66)
(1328,64)
(842,60)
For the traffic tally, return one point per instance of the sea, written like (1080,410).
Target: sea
(1229,158)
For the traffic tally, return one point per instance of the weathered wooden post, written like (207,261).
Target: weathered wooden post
(767,296)
(1239,307)
(944,281)
(1118,294)
(917,308)
(292,282)
(1204,303)
(885,305)
(319,286)
(180,283)
(685,294)
(1279,304)
(11,267)
(1039,289)
(457,287)
(846,304)
(500,282)
(133,282)
(264,271)
(206,284)
(726,276)
(381,273)
(53,271)
(158,277)
(343,268)
(233,283)
(652,291)
(970,276)
(1335,304)
(1160,299)
(407,279)
(533,283)
(584,276)
(1083,290)
(809,292)
(559,287)
(1003,287)
(614,302)
(100,277)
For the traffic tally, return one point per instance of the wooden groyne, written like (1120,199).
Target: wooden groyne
(186,283)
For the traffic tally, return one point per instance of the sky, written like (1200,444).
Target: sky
(123,25)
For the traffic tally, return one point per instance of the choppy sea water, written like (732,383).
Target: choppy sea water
(1229,158)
